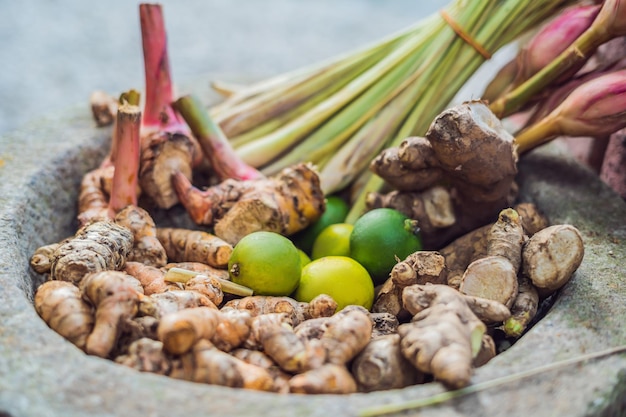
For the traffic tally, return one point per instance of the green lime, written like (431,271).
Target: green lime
(380,237)
(304,258)
(340,277)
(335,212)
(267,262)
(333,240)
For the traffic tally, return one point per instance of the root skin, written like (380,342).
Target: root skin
(115,297)
(327,379)
(147,249)
(96,247)
(61,306)
(185,245)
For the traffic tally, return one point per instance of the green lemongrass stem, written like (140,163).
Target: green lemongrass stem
(336,131)
(482,386)
(182,275)
(226,88)
(298,75)
(579,51)
(125,175)
(216,148)
(263,150)
(131,97)
(266,106)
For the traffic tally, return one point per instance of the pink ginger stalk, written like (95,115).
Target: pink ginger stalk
(125,176)
(158,113)
(216,147)
(596,108)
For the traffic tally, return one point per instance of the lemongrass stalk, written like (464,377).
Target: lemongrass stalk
(265,149)
(182,275)
(335,131)
(297,75)
(226,88)
(442,397)
(278,121)
(605,27)
(215,146)
(260,109)
(255,111)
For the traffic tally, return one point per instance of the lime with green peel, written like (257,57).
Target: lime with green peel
(334,240)
(380,237)
(304,258)
(266,262)
(340,277)
(335,212)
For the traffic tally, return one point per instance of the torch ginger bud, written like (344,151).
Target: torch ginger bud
(596,108)
(554,38)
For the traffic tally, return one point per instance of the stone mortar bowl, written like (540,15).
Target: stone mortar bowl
(43,375)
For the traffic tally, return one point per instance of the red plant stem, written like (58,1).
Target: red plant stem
(124,186)
(158,113)
(216,147)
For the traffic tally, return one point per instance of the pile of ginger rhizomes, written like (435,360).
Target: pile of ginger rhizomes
(435,318)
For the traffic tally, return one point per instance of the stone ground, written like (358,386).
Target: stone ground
(53,54)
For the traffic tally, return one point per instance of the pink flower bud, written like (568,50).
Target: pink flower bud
(555,37)
(596,108)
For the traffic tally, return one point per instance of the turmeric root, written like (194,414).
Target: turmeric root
(551,256)
(180,330)
(232,330)
(495,276)
(207,364)
(161,304)
(279,341)
(384,324)
(147,249)
(150,277)
(381,366)
(146,355)
(41,261)
(61,306)
(285,204)
(96,247)
(258,358)
(418,268)
(444,335)
(327,379)
(184,245)
(93,201)
(115,298)
(297,312)
(207,286)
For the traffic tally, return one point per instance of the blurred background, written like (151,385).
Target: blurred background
(54,53)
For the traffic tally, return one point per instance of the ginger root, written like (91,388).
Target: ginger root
(495,275)
(551,256)
(61,306)
(444,335)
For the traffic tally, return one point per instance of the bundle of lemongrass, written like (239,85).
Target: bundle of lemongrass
(340,114)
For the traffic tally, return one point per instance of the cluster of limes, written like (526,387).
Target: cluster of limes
(346,260)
